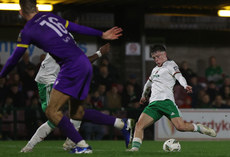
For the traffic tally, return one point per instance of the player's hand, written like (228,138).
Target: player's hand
(112,34)
(105,49)
(142,100)
(188,89)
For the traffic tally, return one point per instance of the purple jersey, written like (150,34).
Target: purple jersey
(51,33)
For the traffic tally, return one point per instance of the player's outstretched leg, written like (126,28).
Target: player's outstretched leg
(192,127)
(206,130)
(127,131)
(125,125)
(42,132)
(53,113)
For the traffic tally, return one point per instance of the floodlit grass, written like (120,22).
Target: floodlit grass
(117,149)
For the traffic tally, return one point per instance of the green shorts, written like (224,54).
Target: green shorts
(44,93)
(157,109)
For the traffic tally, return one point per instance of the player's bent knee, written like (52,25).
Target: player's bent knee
(50,112)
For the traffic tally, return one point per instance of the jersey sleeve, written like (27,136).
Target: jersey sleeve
(12,61)
(73,27)
(22,45)
(23,40)
(173,68)
(76,28)
(151,76)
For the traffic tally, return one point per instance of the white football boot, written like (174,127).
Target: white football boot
(134,149)
(68,145)
(206,130)
(26,149)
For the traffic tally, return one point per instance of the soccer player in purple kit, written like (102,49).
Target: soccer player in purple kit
(51,33)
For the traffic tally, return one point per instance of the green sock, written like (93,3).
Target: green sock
(136,144)
(198,129)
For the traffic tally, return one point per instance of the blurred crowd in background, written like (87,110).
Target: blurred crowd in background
(19,99)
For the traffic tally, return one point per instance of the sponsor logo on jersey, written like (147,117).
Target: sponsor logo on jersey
(156,76)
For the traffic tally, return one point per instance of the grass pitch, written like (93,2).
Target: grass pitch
(117,149)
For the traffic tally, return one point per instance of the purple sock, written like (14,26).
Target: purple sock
(98,117)
(68,129)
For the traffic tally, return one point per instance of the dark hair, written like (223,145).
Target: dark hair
(28,6)
(157,48)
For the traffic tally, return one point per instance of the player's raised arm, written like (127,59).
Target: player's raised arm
(13,60)
(111,34)
(102,51)
(183,82)
(80,29)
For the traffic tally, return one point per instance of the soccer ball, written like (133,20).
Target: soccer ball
(171,145)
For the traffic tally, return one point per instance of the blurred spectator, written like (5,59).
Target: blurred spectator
(29,85)
(132,79)
(130,101)
(201,94)
(6,113)
(112,70)
(34,116)
(98,98)
(3,91)
(227,103)
(212,90)
(226,93)
(196,87)
(187,103)
(214,72)
(186,71)
(218,102)
(88,103)
(130,98)
(225,84)
(8,106)
(205,102)
(23,64)
(179,94)
(93,131)
(226,81)
(103,77)
(17,96)
(113,98)
(14,78)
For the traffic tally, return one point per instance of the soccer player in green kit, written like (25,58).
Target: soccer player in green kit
(161,101)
